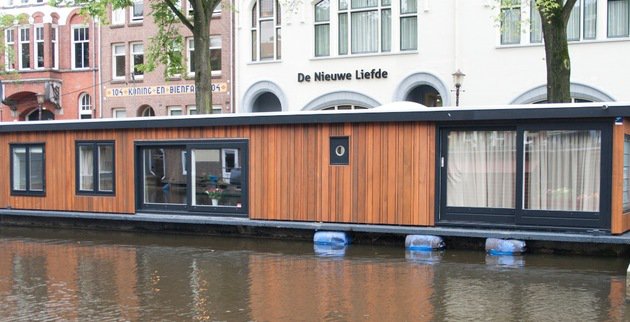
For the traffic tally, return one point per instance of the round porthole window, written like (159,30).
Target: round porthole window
(340,150)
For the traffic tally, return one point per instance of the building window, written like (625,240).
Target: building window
(362,23)
(215,55)
(190,61)
(25,48)
(626,173)
(54,48)
(95,167)
(39,47)
(344,107)
(590,19)
(408,25)
(118,62)
(119,113)
(322,28)
(197,176)
(618,21)
(80,48)
(9,41)
(265,30)
(28,169)
(582,23)
(510,22)
(174,110)
(137,59)
(118,16)
(535,31)
(137,11)
(192,110)
(217,109)
(85,106)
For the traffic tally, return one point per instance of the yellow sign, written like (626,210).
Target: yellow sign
(159,90)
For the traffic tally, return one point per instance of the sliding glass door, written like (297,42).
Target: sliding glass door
(539,175)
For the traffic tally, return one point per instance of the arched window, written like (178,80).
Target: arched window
(85,106)
(147,111)
(265,30)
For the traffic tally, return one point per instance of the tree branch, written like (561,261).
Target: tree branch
(181,16)
(566,10)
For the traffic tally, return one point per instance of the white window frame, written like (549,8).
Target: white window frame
(9,49)
(174,109)
(191,109)
(132,13)
(81,41)
(216,72)
(85,105)
(9,3)
(115,62)
(627,28)
(217,109)
(54,35)
(190,47)
(119,113)
(39,39)
(321,23)
(132,60)
(22,41)
(118,16)
(255,32)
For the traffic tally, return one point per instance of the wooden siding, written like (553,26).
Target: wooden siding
(620,221)
(390,178)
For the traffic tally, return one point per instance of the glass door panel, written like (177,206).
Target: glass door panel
(164,175)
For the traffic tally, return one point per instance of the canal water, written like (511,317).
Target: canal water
(79,275)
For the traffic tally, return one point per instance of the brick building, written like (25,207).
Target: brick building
(129,92)
(51,53)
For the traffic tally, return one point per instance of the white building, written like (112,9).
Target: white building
(303,55)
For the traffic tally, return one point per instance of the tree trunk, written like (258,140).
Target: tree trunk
(201,56)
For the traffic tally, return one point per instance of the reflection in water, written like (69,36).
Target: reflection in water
(78,275)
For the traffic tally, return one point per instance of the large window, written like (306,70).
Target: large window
(618,18)
(215,56)
(265,30)
(582,23)
(362,23)
(528,174)
(208,176)
(322,28)
(28,169)
(562,170)
(80,47)
(408,25)
(95,167)
(118,16)
(85,106)
(9,41)
(25,48)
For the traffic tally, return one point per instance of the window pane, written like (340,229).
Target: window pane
(573,25)
(408,6)
(215,177)
(120,66)
(510,22)
(322,40)
(36,169)
(266,8)
(164,176)
(215,59)
(535,34)
(481,169)
(364,32)
(19,169)
(254,47)
(408,33)
(590,19)
(106,168)
(358,4)
(267,39)
(343,34)
(386,30)
(86,167)
(562,170)
(617,18)
(322,11)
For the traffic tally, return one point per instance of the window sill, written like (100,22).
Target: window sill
(117,26)
(400,53)
(571,43)
(135,23)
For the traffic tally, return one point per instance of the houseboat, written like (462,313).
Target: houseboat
(550,167)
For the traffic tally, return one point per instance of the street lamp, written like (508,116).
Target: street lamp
(458,80)
(40,103)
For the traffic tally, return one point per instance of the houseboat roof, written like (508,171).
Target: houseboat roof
(394,112)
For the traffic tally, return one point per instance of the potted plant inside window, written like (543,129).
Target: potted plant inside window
(214,195)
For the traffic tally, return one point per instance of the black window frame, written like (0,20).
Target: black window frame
(95,167)
(188,208)
(519,216)
(28,191)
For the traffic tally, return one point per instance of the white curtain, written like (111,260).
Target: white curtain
(386,30)
(481,169)
(617,18)
(573,25)
(86,170)
(511,22)
(562,170)
(590,19)
(19,169)
(535,35)
(105,168)
(409,33)
(343,34)
(364,32)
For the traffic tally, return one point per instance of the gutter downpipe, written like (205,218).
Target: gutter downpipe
(100,72)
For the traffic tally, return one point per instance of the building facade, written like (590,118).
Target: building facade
(130,92)
(51,53)
(347,54)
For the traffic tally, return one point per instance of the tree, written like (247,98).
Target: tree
(165,47)
(555,16)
